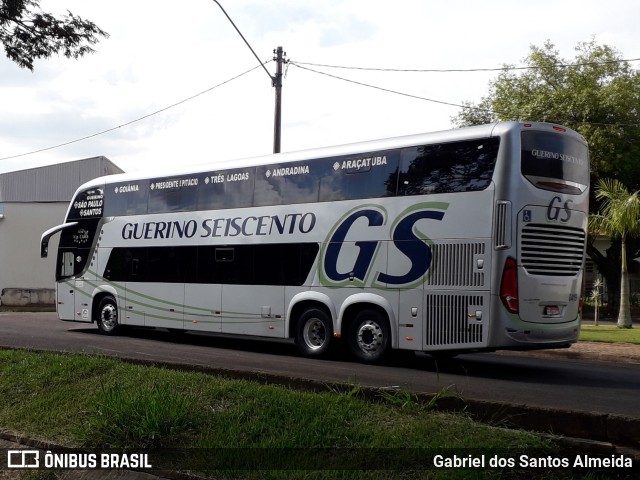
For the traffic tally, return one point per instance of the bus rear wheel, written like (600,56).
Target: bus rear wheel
(369,336)
(314,332)
(107,319)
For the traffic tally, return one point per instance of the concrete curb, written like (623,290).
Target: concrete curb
(615,429)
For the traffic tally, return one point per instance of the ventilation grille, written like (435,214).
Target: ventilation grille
(552,250)
(502,229)
(448,321)
(454,265)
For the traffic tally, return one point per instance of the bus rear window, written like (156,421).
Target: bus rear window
(553,161)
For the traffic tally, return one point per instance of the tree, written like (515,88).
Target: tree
(596,94)
(595,296)
(28,33)
(619,218)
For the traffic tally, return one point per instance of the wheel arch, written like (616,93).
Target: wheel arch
(363,301)
(303,301)
(98,294)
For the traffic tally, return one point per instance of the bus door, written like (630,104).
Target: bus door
(65,290)
(73,257)
(72,304)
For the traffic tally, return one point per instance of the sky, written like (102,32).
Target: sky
(187,55)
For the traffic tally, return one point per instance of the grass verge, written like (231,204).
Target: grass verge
(609,334)
(89,401)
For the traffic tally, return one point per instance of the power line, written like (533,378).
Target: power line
(244,39)
(388,90)
(441,102)
(467,70)
(276,81)
(137,119)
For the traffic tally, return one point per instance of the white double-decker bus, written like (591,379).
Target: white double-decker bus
(465,240)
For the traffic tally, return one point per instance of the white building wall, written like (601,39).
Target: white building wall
(21,267)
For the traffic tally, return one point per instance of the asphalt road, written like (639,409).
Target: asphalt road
(566,384)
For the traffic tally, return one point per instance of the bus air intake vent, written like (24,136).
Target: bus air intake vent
(448,321)
(455,265)
(552,250)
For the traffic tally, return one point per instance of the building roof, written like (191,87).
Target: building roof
(53,183)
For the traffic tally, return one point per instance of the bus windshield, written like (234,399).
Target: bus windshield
(555,162)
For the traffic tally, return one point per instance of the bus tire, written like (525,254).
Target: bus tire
(369,336)
(314,332)
(107,319)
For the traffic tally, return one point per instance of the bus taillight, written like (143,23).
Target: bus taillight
(509,286)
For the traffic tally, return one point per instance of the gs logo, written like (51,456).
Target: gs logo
(404,235)
(556,211)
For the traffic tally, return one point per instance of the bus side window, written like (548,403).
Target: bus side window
(119,267)
(67,267)
(463,166)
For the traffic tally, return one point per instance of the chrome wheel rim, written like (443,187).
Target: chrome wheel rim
(370,337)
(314,334)
(109,317)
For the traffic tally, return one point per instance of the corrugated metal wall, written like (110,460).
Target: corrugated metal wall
(53,183)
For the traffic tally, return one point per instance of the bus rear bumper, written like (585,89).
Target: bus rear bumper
(558,336)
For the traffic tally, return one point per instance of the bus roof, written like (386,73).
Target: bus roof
(479,131)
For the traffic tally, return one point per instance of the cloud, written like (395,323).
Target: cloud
(161,52)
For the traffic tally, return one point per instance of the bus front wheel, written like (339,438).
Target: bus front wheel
(314,332)
(107,320)
(369,336)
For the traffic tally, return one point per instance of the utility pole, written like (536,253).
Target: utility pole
(277,83)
